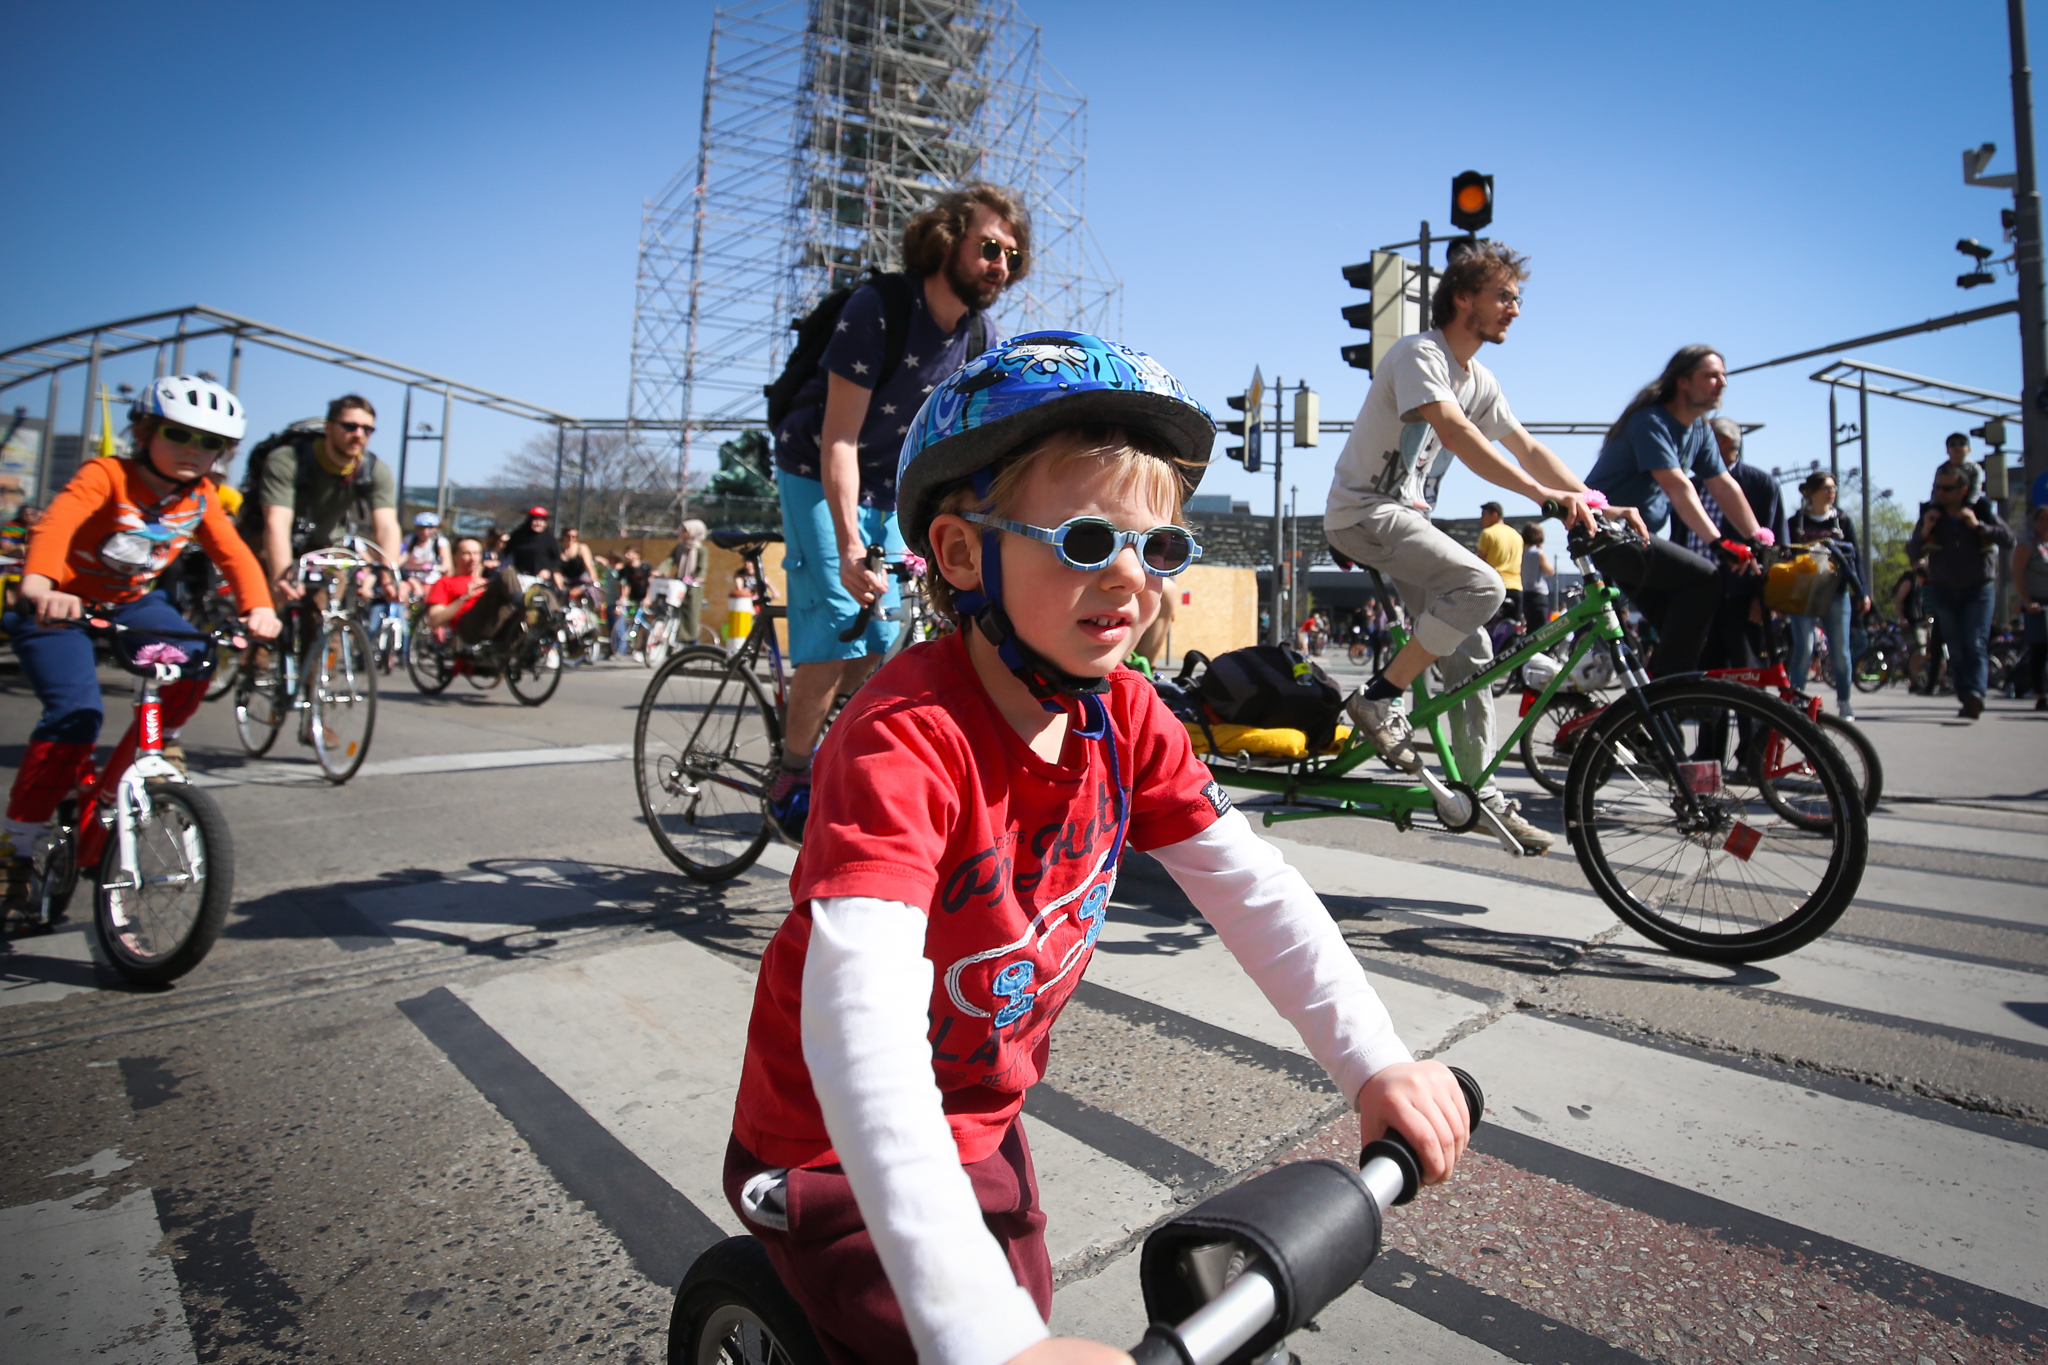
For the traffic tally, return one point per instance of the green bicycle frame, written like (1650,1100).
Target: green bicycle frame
(1324,785)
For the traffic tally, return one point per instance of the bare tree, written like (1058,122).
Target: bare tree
(621,493)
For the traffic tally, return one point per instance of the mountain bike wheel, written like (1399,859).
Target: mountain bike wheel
(1872,669)
(342,687)
(1794,790)
(1723,877)
(534,668)
(1547,757)
(185,858)
(426,660)
(705,749)
(262,700)
(733,1309)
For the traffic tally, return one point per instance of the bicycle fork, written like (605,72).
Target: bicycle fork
(127,807)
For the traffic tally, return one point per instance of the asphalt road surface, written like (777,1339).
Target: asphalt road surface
(456,1082)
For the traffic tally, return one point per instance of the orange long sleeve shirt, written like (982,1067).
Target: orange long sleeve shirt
(109,533)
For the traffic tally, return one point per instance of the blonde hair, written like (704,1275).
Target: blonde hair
(1135,458)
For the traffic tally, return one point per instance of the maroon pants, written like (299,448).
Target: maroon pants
(828,1259)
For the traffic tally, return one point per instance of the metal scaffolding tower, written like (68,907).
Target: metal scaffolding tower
(826,125)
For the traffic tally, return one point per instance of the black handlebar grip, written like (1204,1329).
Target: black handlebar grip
(1397,1149)
(1553,510)
(1160,1347)
(873,560)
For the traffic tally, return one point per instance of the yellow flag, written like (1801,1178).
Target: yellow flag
(106,447)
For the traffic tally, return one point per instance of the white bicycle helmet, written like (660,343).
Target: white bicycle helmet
(425,519)
(190,401)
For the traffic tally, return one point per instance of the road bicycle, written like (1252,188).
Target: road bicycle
(708,740)
(1229,1279)
(163,860)
(529,661)
(1656,809)
(320,666)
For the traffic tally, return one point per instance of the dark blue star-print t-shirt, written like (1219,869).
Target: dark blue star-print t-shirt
(857,352)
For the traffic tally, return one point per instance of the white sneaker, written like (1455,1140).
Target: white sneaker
(1847,713)
(1509,813)
(1385,724)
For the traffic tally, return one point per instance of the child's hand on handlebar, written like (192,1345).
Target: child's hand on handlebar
(1069,1351)
(1421,1101)
(51,606)
(262,623)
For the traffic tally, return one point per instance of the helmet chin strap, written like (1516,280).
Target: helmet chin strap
(1047,681)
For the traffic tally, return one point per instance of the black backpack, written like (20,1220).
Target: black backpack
(1272,687)
(814,333)
(300,436)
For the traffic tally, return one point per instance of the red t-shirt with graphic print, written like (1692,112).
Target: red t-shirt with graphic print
(924,794)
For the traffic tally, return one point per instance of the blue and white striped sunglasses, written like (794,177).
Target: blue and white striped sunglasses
(1090,543)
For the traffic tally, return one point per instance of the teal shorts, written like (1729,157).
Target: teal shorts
(820,607)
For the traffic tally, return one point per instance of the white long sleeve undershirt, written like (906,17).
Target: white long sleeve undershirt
(866,988)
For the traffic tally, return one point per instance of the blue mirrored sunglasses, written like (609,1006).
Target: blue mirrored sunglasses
(1090,543)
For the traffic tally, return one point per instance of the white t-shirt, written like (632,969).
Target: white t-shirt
(1394,457)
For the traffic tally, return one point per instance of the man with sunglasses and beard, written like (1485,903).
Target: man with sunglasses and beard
(836,450)
(321,507)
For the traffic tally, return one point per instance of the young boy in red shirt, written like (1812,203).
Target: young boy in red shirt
(969,811)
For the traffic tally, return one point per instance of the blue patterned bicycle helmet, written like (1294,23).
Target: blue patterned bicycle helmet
(1010,395)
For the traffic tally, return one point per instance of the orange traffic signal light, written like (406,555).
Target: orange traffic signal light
(1471,201)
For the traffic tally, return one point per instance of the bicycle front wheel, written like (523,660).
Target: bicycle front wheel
(1872,670)
(426,659)
(343,693)
(534,670)
(733,1309)
(1684,857)
(158,927)
(262,699)
(705,749)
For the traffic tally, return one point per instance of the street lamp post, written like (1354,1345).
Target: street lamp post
(2026,196)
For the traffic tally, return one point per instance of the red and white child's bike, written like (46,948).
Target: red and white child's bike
(159,847)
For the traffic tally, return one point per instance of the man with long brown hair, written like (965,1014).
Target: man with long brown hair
(1653,452)
(896,337)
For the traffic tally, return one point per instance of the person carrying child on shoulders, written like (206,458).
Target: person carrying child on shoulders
(970,809)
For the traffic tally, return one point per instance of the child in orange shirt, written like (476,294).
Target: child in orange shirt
(115,527)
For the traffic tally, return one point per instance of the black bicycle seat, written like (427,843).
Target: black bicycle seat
(741,541)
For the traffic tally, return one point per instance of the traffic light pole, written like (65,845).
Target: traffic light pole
(1279,544)
(2027,255)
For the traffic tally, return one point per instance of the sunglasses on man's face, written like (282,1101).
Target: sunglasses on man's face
(993,250)
(1946,487)
(199,440)
(1090,543)
(366,428)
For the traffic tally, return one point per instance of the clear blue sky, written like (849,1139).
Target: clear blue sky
(459,187)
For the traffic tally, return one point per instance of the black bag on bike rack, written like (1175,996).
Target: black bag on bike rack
(1272,687)
(1315,1228)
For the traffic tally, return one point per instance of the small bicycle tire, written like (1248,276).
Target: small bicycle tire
(1357,653)
(534,670)
(1723,877)
(185,856)
(426,661)
(1872,670)
(733,1309)
(262,700)
(706,746)
(342,689)
(1547,757)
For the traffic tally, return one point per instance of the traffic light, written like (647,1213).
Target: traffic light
(1308,417)
(1471,201)
(1248,426)
(1393,311)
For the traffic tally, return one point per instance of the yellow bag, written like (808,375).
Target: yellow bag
(1804,585)
(1261,743)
